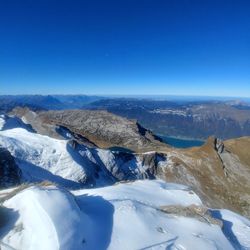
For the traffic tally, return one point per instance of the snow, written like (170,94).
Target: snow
(236,227)
(9,122)
(40,156)
(153,193)
(2,122)
(45,158)
(49,218)
(122,216)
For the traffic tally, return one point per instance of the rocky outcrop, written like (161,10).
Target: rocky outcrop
(200,213)
(218,145)
(10,174)
(116,165)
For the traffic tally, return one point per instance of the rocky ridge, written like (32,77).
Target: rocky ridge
(218,171)
(100,128)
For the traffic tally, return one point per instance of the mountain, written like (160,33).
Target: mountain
(45,102)
(123,195)
(70,164)
(100,128)
(76,101)
(35,102)
(218,171)
(199,119)
(138,215)
(181,118)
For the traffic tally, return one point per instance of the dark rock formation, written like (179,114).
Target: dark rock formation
(10,174)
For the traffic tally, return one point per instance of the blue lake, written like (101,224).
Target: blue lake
(181,143)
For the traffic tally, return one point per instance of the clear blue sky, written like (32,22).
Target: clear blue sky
(186,47)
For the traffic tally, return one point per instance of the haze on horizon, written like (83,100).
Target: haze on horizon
(183,47)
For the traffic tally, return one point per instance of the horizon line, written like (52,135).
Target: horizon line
(126,95)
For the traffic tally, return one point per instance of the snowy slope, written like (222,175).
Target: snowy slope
(40,156)
(67,163)
(123,216)
(2,122)
(47,219)
(9,122)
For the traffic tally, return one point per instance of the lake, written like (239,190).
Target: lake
(181,143)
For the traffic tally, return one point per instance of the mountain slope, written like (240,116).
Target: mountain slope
(218,171)
(132,215)
(124,216)
(70,164)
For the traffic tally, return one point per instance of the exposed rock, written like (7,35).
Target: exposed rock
(200,213)
(10,174)
(219,146)
(153,160)
(100,128)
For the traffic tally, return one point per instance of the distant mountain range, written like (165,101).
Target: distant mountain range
(54,160)
(45,102)
(197,119)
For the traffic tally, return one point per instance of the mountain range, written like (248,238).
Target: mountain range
(199,119)
(118,183)
(182,118)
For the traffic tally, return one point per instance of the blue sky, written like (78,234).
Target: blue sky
(139,47)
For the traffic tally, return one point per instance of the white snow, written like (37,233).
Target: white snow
(122,216)
(47,218)
(38,156)
(2,122)
(236,227)
(9,122)
(153,193)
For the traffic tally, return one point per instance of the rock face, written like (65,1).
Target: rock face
(10,174)
(201,213)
